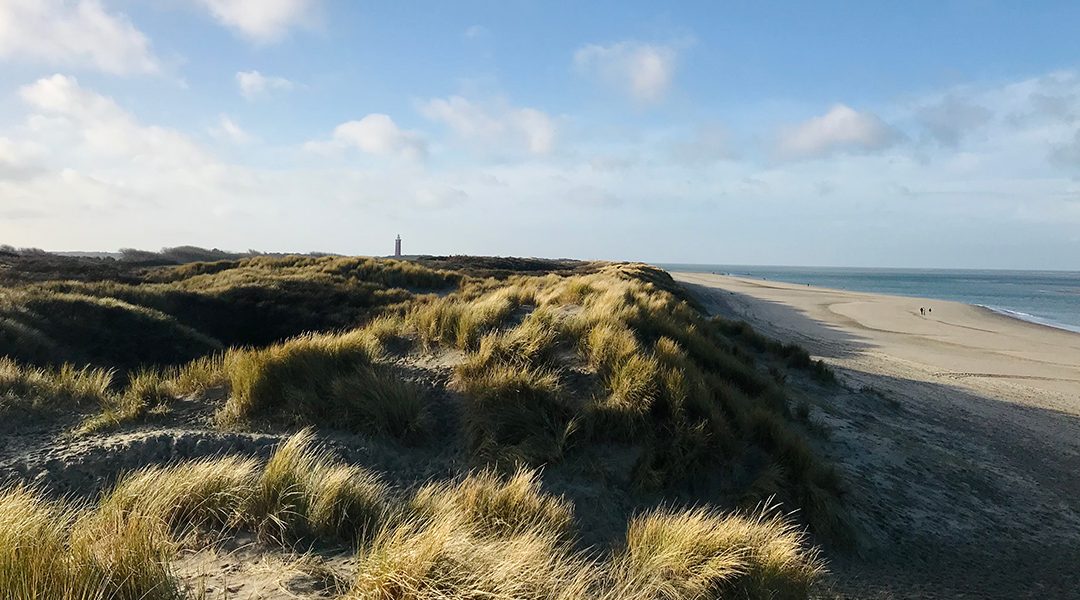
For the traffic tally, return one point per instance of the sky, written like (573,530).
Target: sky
(912,134)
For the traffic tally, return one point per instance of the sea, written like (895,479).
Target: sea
(1049,298)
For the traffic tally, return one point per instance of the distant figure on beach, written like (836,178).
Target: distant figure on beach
(929,310)
(922,311)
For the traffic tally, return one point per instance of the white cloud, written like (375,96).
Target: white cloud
(87,126)
(376,134)
(227,129)
(261,20)
(842,129)
(254,84)
(74,34)
(95,156)
(18,158)
(495,123)
(80,170)
(952,117)
(644,71)
(591,195)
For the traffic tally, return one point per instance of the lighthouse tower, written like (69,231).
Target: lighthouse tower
(397,247)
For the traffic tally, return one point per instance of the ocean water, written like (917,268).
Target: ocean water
(1046,297)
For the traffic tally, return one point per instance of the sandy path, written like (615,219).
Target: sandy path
(959,432)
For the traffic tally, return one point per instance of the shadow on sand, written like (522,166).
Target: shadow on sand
(822,339)
(954,494)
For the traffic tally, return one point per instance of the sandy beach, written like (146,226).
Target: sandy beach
(959,431)
(954,343)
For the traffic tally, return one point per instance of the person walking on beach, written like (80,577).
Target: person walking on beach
(922,311)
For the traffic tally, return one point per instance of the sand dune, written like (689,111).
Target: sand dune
(958,432)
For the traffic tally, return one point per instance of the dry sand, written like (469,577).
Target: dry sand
(959,433)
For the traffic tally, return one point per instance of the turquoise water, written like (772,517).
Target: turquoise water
(1046,297)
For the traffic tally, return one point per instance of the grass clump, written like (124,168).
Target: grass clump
(153,390)
(704,554)
(323,379)
(443,558)
(490,538)
(461,322)
(49,392)
(300,493)
(513,413)
(294,376)
(496,506)
(51,549)
(304,492)
(187,496)
(483,537)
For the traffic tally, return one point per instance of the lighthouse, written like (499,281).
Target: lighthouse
(397,247)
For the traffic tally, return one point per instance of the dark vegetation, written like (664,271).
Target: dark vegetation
(547,360)
(107,313)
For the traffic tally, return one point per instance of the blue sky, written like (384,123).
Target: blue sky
(922,134)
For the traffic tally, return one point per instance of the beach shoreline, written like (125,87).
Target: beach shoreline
(1028,318)
(1042,297)
(958,432)
(996,354)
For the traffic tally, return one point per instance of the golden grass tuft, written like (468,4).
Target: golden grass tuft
(460,322)
(514,413)
(150,389)
(704,554)
(50,391)
(482,537)
(327,379)
(291,376)
(485,538)
(51,549)
(440,558)
(303,491)
(187,496)
(492,505)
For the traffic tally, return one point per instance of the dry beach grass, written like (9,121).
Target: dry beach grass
(604,376)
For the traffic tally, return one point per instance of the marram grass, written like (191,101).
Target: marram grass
(484,536)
